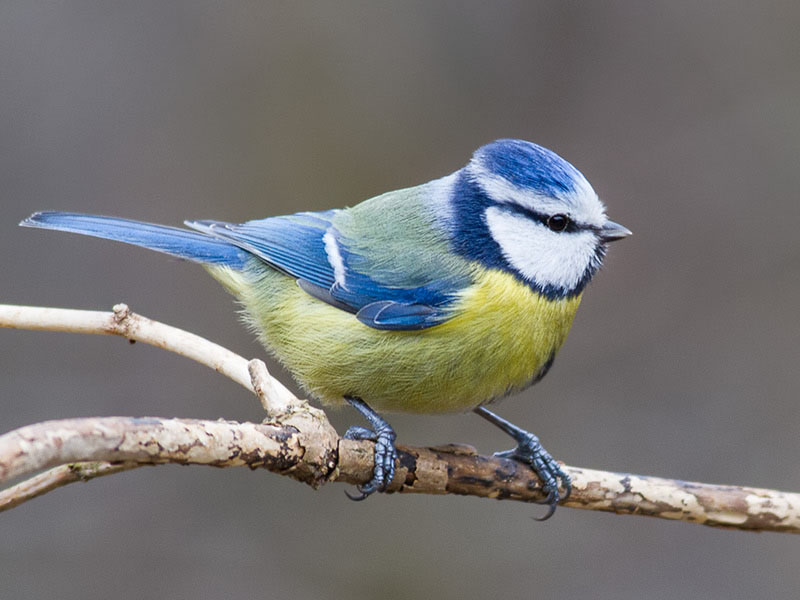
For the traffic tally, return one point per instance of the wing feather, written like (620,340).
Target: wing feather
(383,260)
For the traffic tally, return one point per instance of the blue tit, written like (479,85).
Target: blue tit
(438,298)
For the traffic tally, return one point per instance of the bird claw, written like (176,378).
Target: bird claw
(357,497)
(357,432)
(385,456)
(530,451)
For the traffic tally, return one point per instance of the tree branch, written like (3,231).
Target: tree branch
(297,440)
(56,478)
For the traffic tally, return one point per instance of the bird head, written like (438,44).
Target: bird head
(522,208)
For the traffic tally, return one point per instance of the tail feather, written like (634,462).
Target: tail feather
(182,243)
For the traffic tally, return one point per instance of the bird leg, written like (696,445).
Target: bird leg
(385,453)
(530,451)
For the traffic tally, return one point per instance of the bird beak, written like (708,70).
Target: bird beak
(610,232)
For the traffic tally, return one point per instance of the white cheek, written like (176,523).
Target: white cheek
(538,254)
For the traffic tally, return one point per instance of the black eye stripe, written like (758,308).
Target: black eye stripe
(539,217)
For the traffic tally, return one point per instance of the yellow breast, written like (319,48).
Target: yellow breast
(500,336)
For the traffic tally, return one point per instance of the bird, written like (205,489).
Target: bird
(439,298)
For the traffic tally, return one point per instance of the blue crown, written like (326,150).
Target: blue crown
(529,166)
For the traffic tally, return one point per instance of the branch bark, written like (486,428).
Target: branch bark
(297,440)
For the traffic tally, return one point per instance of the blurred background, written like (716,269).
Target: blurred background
(683,361)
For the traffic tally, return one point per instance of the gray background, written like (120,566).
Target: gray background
(682,362)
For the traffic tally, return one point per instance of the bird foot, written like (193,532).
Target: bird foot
(385,452)
(530,452)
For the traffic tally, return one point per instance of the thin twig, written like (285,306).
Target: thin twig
(58,477)
(135,327)
(298,441)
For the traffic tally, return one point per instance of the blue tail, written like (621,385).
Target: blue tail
(182,243)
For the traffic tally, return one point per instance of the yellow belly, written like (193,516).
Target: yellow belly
(501,335)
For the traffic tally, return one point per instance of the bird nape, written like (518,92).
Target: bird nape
(438,298)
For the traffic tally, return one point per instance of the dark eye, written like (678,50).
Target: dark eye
(558,223)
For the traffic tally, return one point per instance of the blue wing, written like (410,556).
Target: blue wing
(292,244)
(310,248)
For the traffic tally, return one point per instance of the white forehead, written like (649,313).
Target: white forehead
(580,203)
